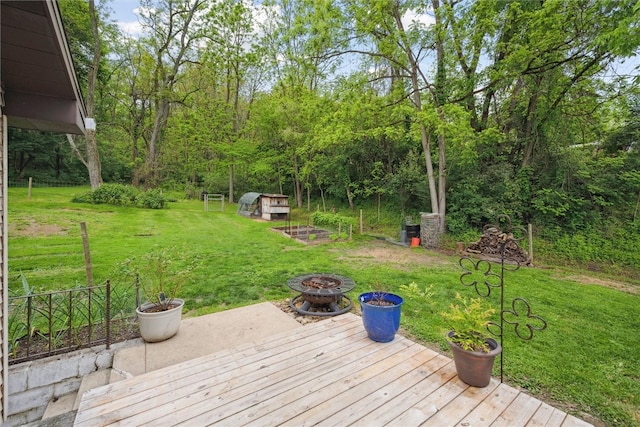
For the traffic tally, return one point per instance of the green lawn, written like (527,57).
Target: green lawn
(586,360)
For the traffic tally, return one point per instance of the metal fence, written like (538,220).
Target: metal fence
(47,324)
(24,183)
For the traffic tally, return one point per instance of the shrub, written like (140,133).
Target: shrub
(114,194)
(123,195)
(151,199)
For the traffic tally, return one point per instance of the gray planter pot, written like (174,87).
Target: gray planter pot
(161,325)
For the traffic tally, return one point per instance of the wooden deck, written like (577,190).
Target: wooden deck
(327,373)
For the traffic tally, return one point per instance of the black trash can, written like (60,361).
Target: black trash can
(413,231)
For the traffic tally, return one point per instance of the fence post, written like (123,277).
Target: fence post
(70,323)
(87,254)
(108,314)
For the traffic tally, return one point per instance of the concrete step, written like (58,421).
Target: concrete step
(93,380)
(69,402)
(60,406)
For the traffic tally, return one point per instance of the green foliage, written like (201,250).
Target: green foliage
(44,157)
(151,199)
(111,194)
(49,318)
(123,195)
(329,219)
(469,319)
(161,273)
(413,290)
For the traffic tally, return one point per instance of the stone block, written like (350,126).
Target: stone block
(104,360)
(65,387)
(30,399)
(18,375)
(87,364)
(54,371)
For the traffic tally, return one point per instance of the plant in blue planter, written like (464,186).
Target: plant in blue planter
(381,314)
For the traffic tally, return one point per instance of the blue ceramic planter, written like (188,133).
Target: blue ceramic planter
(381,321)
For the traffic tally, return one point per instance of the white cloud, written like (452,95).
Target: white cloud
(411,18)
(131,28)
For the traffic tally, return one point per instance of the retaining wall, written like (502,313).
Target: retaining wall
(32,385)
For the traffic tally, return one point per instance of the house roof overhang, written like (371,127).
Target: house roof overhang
(38,77)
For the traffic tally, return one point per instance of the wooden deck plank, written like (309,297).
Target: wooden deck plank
(263,401)
(520,412)
(312,389)
(427,407)
(541,416)
(294,396)
(171,383)
(556,419)
(203,380)
(386,414)
(454,411)
(361,384)
(326,374)
(571,421)
(490,408)
(387,397)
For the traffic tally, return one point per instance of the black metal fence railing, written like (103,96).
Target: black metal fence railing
(47,324)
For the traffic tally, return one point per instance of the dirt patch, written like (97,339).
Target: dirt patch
(35,229)
(382,251)
(612,284)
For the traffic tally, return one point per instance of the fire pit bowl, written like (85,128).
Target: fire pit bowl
(321,289)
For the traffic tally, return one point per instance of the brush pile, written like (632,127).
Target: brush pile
(491,243)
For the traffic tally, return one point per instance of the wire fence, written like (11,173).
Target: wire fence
(24,183)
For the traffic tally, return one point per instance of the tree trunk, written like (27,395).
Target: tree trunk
(425,137)
(91,158)
(231,199)
(93,154)
(160,123)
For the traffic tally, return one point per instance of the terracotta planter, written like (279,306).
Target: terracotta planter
(474,367)
(161,325)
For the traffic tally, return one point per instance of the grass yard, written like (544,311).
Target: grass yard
(585,362)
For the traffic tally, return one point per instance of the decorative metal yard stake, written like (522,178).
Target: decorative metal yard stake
(507,249)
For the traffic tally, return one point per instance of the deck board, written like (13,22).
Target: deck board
(326,374)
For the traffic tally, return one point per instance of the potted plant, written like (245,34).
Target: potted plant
(473,351)
(160,274)
(380,314)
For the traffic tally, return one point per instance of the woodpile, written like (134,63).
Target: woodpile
(491,243)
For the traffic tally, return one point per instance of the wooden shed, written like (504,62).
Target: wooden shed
(265,206)
(274,206)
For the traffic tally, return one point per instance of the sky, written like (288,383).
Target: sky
(123,14)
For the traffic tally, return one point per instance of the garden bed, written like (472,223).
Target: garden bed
(305,233)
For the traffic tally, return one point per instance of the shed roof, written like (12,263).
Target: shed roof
(246,203)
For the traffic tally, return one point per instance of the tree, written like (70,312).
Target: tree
(87,48)
(174,29)
(303,45)
(399,51)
